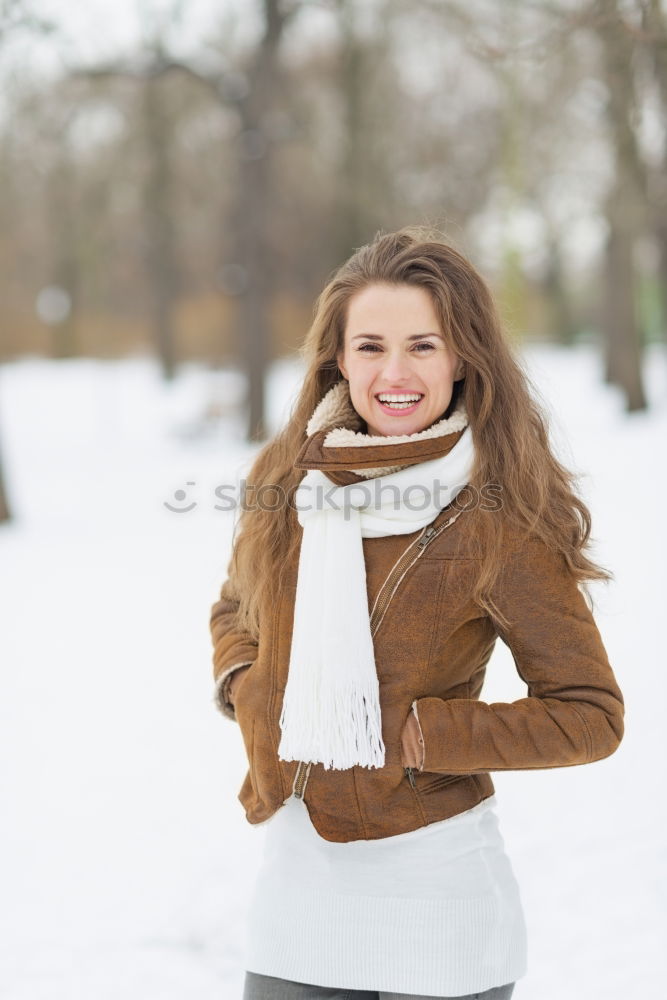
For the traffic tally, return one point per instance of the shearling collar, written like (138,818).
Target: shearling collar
(336,444)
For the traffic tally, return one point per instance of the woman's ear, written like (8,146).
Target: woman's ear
(460,370)
(341,366)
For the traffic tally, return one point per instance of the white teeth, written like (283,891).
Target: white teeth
(399,401)
(398,398)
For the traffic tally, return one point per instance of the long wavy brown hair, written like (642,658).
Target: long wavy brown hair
(509,429)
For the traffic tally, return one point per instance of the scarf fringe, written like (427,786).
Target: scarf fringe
(348,713)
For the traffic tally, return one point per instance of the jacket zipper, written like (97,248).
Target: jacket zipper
(300,779)
(424,539)
(400,568)
(385,594)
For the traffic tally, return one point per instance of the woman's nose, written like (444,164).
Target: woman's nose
(396,368)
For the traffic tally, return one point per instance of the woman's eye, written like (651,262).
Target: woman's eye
(422,343)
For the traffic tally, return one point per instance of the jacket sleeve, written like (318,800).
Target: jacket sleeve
(233,648)
(574,711)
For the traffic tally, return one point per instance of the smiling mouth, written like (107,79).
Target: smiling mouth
(399,402)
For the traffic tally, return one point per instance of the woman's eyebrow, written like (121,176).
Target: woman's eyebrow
(413,336)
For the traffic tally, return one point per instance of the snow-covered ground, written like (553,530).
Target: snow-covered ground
(125,856)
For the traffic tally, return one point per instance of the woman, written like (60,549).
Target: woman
(410,513)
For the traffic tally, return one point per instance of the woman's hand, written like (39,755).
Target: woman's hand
(234,681)
(412,743)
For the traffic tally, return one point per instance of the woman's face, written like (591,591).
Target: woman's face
(394,345)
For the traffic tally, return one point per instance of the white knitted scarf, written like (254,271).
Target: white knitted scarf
(331,705)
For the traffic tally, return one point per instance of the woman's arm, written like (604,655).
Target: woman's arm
(233,649)
(574,712)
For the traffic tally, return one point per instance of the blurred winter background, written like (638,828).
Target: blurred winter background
(178,180)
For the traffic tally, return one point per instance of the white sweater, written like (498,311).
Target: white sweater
(435,911)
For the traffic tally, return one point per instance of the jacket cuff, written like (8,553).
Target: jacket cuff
(221,691)
(421,735)
(440,747)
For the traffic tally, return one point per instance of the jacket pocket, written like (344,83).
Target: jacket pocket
(426,782)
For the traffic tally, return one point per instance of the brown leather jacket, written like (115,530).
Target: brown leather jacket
(432,644)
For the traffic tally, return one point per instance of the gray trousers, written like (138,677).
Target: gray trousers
(259,987)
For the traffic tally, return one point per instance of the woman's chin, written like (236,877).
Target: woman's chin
(394,426)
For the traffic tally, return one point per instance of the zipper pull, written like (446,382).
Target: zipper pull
(426,537)
(301,779)
(411,777)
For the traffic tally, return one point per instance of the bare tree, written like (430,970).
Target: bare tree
(356,59)
(256,95)
(16,15)
(653,41)
(4,505)
(611,26)
(160,248)
(473,116)
(625,208)
(63,210)
(257,102)
(159,245)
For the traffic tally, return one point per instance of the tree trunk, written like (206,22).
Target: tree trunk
(661,235)
(625,211)
(655,25)
(562,324)
(351,227)
(622,341)
(4,505)
(63,210)
(252,221)
(160,248)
